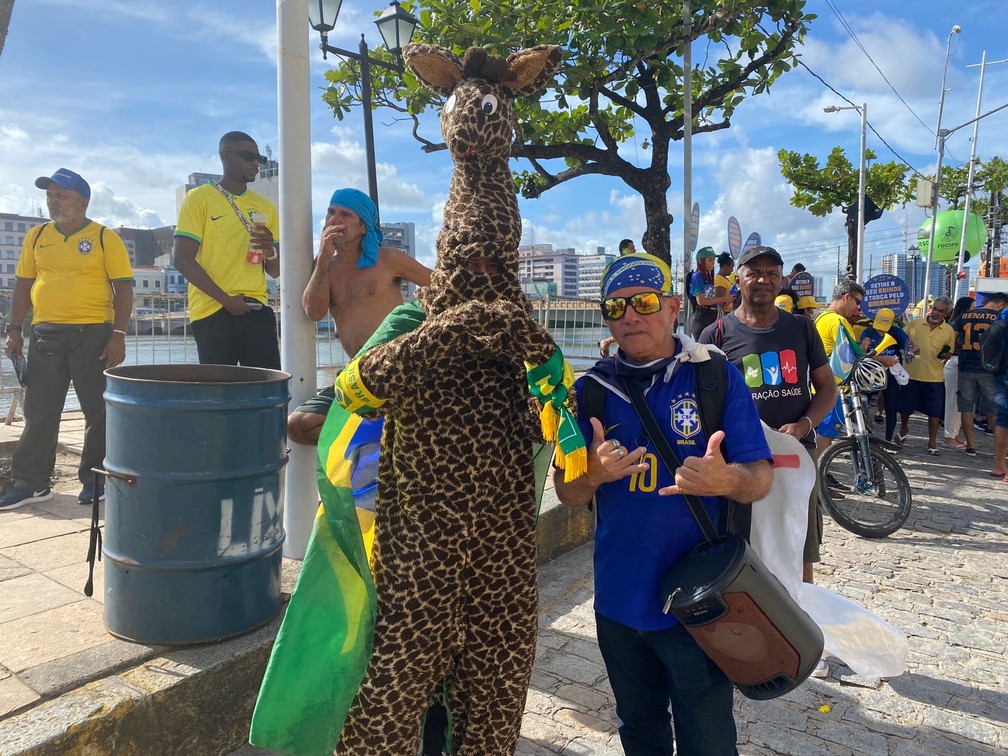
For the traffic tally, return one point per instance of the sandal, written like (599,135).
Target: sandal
(899,438)
(955,443)
(933,452)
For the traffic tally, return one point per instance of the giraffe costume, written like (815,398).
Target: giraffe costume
(454,559)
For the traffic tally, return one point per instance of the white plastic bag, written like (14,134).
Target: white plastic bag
(867,644)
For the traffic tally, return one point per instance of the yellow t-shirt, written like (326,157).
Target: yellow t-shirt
(727,282)
(828,324)
(926,366)
(72,272)
(208,218)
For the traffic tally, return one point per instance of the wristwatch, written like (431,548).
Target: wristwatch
(12,327)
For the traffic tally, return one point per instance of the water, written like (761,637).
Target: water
(579,345)
(177,350)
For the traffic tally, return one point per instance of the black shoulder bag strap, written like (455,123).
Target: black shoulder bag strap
(668,456)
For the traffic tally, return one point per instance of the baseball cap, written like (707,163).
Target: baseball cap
(807,302)
(784,302)
(753,252)
(883,319)
(704,252)
(68,180)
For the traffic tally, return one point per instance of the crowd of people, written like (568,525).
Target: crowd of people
(670,697)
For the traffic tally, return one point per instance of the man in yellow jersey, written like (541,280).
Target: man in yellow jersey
(76,275)
(844,307)
(933,341)
(224,246)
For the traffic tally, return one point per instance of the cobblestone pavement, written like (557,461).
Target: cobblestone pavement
(943,579)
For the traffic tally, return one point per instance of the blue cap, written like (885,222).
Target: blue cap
(68,180)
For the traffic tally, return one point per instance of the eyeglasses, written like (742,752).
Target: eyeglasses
(857,300)
(252,157)
(645,303)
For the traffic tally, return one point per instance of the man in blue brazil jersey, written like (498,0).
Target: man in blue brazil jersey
(643,524)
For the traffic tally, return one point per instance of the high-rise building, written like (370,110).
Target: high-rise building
(590,269)
(540,263)
(402,236)
(910,267)
(13,229)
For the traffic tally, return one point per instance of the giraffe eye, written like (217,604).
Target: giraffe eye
(489,104)
(449,105)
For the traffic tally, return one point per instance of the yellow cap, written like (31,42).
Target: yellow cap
(784,302)
(807,303)
(883,319)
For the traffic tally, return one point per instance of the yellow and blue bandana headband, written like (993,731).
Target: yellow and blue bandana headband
(360,203)
(639,269)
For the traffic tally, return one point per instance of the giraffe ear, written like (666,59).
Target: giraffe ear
(530,70)
(439,69)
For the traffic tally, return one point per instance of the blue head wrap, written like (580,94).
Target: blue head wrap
(360,203)
(640,269)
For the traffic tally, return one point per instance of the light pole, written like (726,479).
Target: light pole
(396,27)
(859,258)
(944,134)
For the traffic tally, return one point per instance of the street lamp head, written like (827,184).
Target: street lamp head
(396,27)
(831,109)
(322,15)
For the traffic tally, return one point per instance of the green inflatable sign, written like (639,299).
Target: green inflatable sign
(948,234)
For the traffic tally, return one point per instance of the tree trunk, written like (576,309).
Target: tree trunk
(6,9)
(851,227)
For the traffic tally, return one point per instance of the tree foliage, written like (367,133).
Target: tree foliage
(823,189)
(622,80)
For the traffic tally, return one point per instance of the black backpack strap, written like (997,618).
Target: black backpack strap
(668,457)
(710,383)
(101,238)
(38,235)
(593,398)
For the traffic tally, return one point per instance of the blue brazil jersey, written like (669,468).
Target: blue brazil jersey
(639,535)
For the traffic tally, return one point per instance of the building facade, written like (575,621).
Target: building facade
(541,264)
(590,269)
(911,267)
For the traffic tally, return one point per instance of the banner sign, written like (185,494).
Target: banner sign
(885,290)
(803,284)
(734,237)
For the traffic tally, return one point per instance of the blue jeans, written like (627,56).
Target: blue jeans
(650,670)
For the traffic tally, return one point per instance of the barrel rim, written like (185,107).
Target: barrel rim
(266,375)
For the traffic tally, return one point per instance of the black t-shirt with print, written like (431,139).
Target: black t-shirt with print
(774,361)
(970,327)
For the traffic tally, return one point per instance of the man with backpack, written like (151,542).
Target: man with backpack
(994,359)
(76,275)
(644,525)
(974,381)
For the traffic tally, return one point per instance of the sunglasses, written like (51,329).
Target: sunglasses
(645,303)
(252,157)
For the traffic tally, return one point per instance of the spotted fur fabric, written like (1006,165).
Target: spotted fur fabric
(454,561)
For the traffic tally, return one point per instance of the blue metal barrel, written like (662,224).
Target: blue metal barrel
(193,527)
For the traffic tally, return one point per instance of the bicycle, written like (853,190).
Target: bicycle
(871,500)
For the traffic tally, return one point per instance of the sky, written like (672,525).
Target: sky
(134,94)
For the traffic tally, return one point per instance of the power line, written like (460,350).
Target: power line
(850,31)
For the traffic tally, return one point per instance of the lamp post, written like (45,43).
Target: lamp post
(396,27)
(859,258)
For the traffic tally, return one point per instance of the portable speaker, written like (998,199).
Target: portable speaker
(743,618)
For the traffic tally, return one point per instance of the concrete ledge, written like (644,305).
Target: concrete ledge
(186,700)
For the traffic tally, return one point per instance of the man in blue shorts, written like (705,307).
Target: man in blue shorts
(643,525)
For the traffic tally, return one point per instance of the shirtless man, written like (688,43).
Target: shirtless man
(358,282)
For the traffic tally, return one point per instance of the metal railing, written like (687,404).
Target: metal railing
(159,334)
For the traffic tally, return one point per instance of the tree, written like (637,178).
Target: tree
(6,9)
(623,72)
(821,190)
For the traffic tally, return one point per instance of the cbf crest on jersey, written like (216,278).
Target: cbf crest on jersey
(685,417)
(84,246)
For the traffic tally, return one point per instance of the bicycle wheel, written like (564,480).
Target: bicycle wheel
(871,502)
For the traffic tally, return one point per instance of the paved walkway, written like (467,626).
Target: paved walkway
(943,579)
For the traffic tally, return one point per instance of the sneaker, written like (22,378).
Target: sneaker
(86,495)
(821,669)
(21,495)
(969,451)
